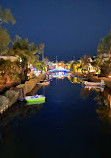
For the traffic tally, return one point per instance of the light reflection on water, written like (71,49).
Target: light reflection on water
(103,99)
(75,121)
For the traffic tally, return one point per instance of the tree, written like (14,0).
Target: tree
(26,52)
(104,55)
(4,40)
(41,47)
(39,65)
(75,66)
(9,70)
(106,68)
(85,62)
(23,49)
(104,46)
(6,16)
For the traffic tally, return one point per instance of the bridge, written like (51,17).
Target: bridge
(59,70)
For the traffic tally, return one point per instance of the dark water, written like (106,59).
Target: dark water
(66,126)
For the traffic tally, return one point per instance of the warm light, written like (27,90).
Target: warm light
(109,76)
(20,60)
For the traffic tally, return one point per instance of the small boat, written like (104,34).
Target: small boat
(101,88)
(37,99)
(94,83)
(49,80)
(73,76)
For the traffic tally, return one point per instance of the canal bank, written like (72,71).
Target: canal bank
(14,94)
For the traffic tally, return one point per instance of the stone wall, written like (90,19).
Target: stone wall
(18,93)
(9,98)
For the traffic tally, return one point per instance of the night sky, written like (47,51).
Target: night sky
(67,27)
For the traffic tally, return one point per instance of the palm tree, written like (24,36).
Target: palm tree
(104,46)
(25,51)
(4,40)
(41,47)
(6,16)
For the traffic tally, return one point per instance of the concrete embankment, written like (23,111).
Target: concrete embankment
(18,93)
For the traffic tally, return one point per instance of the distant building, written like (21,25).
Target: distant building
(91,69)
(52,65)
(61,65)
(46,60)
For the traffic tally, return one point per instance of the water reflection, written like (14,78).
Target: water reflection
(103,95)
(38,128)
(85,93)
(74,79)
(60,75)
(17,112)
(102,99)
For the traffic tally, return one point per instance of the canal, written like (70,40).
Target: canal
(73,123)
